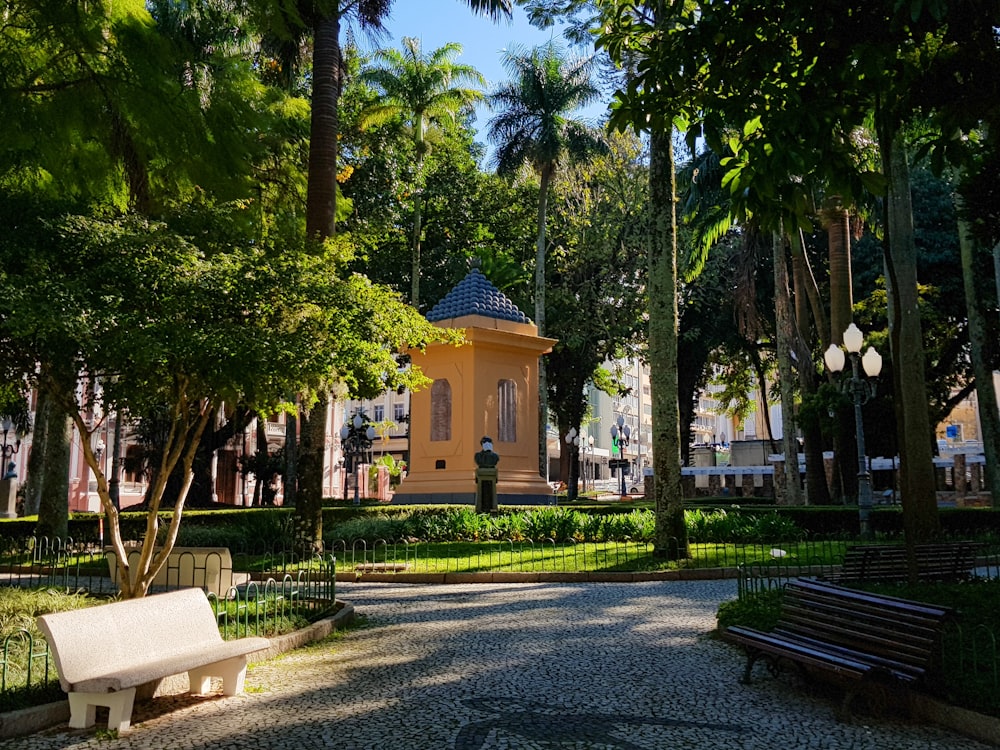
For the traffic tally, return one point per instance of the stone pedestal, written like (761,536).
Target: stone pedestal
(688,487)
(714,484)
(486,489)
(779,481)
(958,474)
(8,498)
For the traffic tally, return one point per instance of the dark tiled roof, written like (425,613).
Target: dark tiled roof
(475,295)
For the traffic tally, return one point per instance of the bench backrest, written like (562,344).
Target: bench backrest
(90,642)
(948,561)
(903,631)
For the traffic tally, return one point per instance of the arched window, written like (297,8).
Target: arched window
(441,410)
(507,411)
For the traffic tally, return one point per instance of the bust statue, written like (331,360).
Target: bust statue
(486,458)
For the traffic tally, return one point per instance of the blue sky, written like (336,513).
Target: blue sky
(437,22)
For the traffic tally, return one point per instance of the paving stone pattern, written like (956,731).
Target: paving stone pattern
(513,667)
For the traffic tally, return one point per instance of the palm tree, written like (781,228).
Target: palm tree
(422,89)
(287,19)
(533,127)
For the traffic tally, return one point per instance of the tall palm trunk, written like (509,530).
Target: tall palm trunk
(790,493)
(321,198)
(670,540)
(418,202)
(841,316)
(989,416)
(841,288)
(543,380)
(806,304)
(321,195)
(916,467)
(418,206)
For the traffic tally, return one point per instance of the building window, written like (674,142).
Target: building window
(398,413)
(507,411)
(378,413)
(441,410)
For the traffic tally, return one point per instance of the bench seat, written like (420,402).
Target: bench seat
(858,638)
(103,653)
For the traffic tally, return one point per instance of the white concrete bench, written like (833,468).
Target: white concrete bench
(210,568)
(104,653)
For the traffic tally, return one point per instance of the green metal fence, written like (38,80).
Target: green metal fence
(572,556)
(971,663)
(276,591)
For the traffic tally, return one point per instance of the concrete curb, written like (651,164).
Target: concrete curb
(37,718)
(961,720)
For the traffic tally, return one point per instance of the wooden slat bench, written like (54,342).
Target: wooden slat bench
(953,561)
(104,653)
(855,638)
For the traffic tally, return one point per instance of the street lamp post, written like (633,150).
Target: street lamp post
(620,434)
(861,390)
(573,449)
(9,450)
(588,445)
(356,437)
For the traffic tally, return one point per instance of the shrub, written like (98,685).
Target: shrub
(760,610)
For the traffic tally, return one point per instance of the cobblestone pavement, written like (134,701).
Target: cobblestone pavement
(512,667)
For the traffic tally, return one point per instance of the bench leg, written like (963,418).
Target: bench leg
(83,709)
(232,671)
(752,656)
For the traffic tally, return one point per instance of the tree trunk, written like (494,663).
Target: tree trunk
(989,416)
(671,532)
(114,483)
(321,212)
(418,204)
(35,481)
(817,491)
(53,506)
(291,478)
(916,467)
(543,380)
(309,501)
(415,269)
(321,193)
(841,283)
(806,295)
(996,268)
(790,493)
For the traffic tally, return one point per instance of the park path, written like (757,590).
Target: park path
(512,667)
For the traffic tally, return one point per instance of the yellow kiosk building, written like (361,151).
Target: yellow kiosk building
(487,387)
